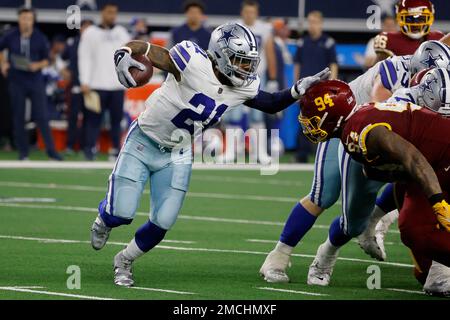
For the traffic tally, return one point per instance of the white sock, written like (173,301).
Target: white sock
(132,251)
(391,217)
(329,248)
(284,248)
(375,217)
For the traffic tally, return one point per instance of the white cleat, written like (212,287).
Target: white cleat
(123,275)
(372,245)
(321,268)
(438,281)
(99,233)
(382,228)
(274,267)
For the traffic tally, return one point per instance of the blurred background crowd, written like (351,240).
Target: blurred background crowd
(48,69)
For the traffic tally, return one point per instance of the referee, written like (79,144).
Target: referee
(28,54)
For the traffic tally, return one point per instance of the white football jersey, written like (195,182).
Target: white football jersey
(394,72)
(394,75)
(199,97)
(404,95)
(362,86)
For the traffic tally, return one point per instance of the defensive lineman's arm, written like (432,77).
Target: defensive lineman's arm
(392,147)
(159,57)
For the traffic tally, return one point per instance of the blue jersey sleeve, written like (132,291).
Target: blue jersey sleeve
(388,74)
(271,102)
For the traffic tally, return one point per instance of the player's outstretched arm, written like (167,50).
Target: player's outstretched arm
(159,57)
(278,101)
(392,147)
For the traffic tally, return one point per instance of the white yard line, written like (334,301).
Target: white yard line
(52,293)
(405,291)
(292,291)
(26,200)
(261,241)
(208,195)
(110,165)
(47,240)
(144,214)
(259,181)
(163,290)
(275,241)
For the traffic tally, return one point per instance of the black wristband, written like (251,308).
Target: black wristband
(436,198)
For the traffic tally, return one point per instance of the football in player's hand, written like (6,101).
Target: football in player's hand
(142,77)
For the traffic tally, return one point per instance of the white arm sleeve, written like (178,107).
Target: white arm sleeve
(85,50)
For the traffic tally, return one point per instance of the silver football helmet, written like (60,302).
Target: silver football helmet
(235,50)
(433,91)
(430,54)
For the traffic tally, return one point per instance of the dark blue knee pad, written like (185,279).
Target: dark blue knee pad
(109,220)
(148,236)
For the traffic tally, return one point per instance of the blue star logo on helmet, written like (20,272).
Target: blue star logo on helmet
(431,60)
(227,36)
(427,85)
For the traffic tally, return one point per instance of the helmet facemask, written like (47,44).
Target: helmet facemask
(241,68)
(415,24)
(311,128)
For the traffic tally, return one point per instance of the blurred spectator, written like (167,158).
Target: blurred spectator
(263,32)
(193,29)
(28,54)
(282,53)
(282,57)
(315,52)
(370,57)
(76,104)
(97,73)
(139,29)
(242,116)
(6,133)
(53,74)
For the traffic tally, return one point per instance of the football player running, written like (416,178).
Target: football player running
(200,87)
(398,142)
(377,84)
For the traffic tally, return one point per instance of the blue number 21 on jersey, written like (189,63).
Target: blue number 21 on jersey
(186,118)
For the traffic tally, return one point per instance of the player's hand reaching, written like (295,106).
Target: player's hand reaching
(300,87)
(442,211)
(123,62)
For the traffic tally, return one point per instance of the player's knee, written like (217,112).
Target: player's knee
(311,207)
(324,199)
(125,198)
(163,223)
(110,220)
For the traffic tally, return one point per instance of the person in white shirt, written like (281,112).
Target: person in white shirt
(96,72)
(267,72)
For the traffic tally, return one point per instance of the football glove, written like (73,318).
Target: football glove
(442,211)
(123,62)
(300,87)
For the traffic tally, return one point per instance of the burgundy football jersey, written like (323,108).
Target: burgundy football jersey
(398,44)
(428,131)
